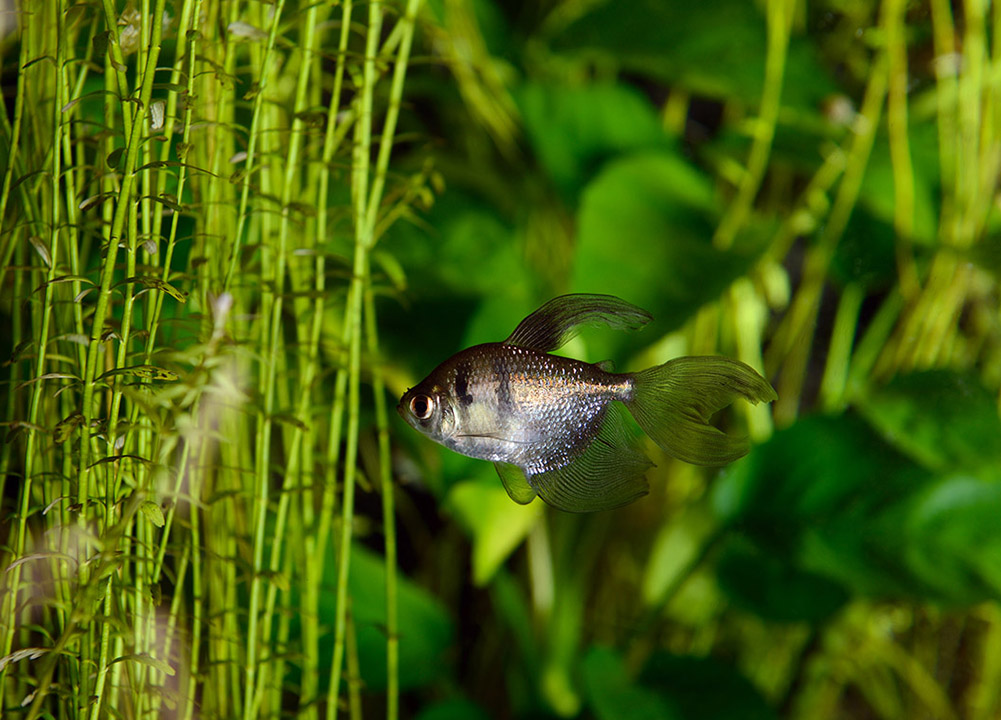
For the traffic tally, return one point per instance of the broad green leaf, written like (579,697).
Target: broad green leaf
(866,253)
(954,540)
(613,695)
(772,588)
(497,524)
(676,547)
(814,469)
(717,49)
(457,709)
(944,420)
(814,496)
(705,688)
(645,234)
(831,498)
(573,130)
(425,629)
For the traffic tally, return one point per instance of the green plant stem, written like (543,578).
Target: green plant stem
(797,327)
(779,17)
(190,12)
(134,133)
(255,131)
(12,130)
(388,513)
(272,311)
(835,380)
(894,24)
(316,541)
(10,601)
(353,325)
(354,679)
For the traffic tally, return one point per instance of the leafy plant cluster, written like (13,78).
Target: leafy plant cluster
(233,233)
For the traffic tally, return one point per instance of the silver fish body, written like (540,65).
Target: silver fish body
(555,427)
(516,405)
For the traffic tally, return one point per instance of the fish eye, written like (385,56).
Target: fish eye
(421,406)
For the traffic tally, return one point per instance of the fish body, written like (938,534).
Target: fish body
(555,427)
(516,405)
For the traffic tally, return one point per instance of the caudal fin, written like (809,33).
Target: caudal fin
(673,403)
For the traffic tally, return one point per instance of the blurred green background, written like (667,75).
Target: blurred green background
(232,239)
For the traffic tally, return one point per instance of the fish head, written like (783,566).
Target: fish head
(428,408)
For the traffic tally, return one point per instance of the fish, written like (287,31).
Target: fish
(557,428)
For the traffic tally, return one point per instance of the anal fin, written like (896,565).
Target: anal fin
(609,474)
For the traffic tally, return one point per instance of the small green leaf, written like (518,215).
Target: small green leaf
(158,284)
(29,653)
(154,512)
(41,248)
(48,376)
(147,659)
(115,157)
(246,30)
(393,269)
(100,42)
(115,458)
(289,419)
(148,372)
(65,427)
(278,579)
(169,201)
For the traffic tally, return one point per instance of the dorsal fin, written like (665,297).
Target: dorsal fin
(556,322)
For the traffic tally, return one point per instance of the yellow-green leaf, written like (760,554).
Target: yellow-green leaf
(149,372)
(497,524)
(65,427)
(154,512)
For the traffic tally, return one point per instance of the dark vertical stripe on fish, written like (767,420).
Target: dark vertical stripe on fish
(462,383)
(502,373)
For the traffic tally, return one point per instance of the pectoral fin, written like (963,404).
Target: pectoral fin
(557,321)
(609,474)
(515,483)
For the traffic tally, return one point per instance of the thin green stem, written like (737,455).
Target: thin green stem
(353,326)
(779,17)
(388,513)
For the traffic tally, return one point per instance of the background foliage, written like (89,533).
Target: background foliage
(233,233)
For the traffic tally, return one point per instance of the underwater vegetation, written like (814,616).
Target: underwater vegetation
(234,234)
